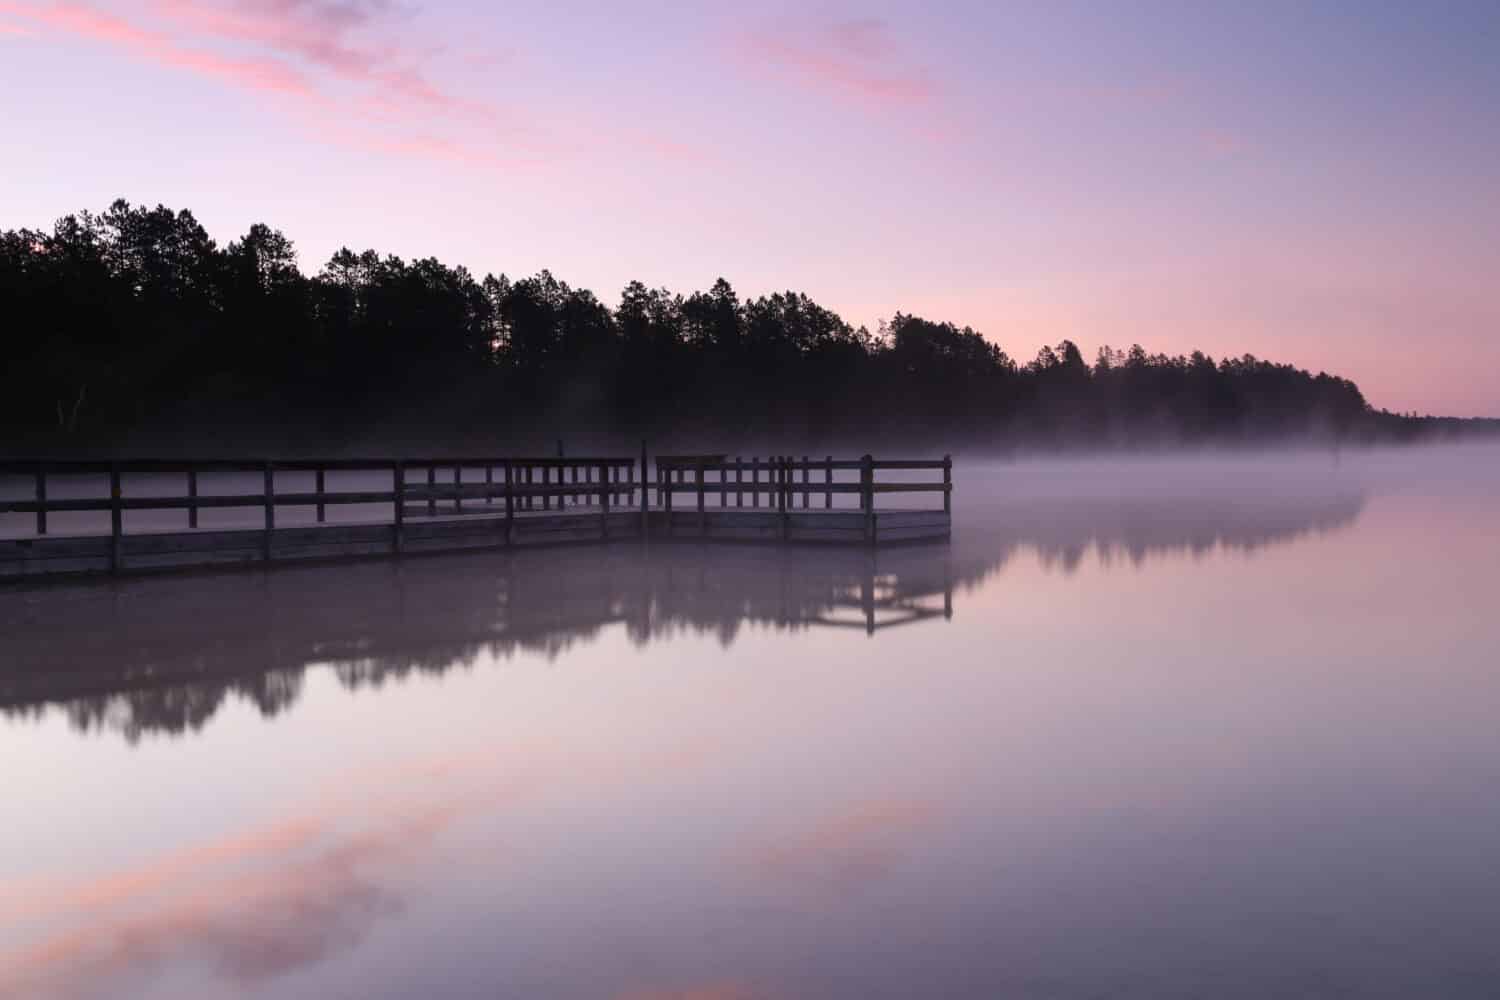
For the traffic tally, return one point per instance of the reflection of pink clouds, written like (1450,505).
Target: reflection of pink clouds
(295,891)
(248,927)
(852,58)
(40,899)
(846,849)
(704,991)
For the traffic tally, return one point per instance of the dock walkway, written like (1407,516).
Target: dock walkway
(73,517)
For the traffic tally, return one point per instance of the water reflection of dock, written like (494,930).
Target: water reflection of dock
(162,654)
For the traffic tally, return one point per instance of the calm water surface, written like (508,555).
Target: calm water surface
(1214,728)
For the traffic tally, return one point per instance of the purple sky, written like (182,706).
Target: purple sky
(1310,182)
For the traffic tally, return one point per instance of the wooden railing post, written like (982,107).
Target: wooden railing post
(318,488)
(116,519)
(754,480)
(546,482)
(398,492)
(41,498)
(431,490)
(739,481)
(270,500)
(828,480)
(805,494)
(458,489)
(530,501)
(489,485)
(791,482)
(867,496)
(193,497)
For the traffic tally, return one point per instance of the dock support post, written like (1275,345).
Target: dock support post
(948,491)
(702,517)
(41,498)
(668,504)
(116,519)
(604,498)
(398,491)
(510,504)
(193,498)
(645,515)
(318,488)
(783,494)
(270,477)
(867,496)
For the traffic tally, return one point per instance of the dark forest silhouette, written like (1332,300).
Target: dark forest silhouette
(133,320)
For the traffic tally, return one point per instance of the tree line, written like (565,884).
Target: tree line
(135,319)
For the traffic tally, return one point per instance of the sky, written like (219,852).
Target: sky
(1310,182)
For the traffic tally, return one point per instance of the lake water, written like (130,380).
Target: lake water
(1151,728)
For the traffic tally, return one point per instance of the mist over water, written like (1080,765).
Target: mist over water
(1153,726)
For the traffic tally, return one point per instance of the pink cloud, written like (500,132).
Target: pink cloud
(311,47)
(88,22)
(325,36)
(849,58)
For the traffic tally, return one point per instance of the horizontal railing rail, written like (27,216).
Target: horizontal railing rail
(13,467)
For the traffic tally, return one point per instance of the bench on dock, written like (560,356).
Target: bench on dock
(87,517)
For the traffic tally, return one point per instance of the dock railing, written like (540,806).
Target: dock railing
(783,479)
(442,486)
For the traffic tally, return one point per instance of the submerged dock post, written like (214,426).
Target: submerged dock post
(270,497)
(116,519)
(867,496)
(41,498)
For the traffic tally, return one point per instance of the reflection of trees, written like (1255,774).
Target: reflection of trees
(163,655)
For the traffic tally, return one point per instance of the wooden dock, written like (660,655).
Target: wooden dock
(72,517)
